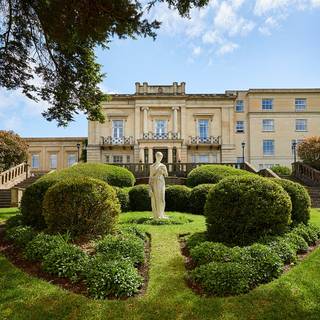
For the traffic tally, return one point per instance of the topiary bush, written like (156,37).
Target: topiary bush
(113,278)
(20,235)
(195,239)
(123,197)
(297,242)
(66,260)
(208,251)
(285,250)
(300,199)
(221,278)
(281,170)
(178,198)
(239,210)
(309,234)
(212,173)
(112,174)
(41,245)
(132,230)
(81,206)
(198,197)
(32,200)
(115,247)
(139,198)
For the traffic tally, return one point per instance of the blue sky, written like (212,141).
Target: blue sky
(231,44)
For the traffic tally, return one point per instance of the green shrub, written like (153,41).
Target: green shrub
(32,201)
(139,198)
(123,197)
(133,230)
(281,170)
(115,247)
(239,210)
(81,206)
(20,235)
(221,279)
(160,222)
(297,242)
(286,251)
(212,173)
(300,200)
(198,197)
(265,264)
(315,229)
(112,174)
(208,251)
(67,261)
(195,239)
(117,278)
(178,198)
(309,234)
(14,221)
(41,245)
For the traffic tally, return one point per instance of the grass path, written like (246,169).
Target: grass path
(295,295)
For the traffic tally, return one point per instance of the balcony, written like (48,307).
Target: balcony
(121,141)
(161,136)
(210,140)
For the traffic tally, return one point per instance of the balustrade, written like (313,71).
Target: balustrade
(14,175)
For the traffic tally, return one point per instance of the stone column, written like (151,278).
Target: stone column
(175,119)
(137,123)
(145,119)
(170,155)
(150,156)
(183,123)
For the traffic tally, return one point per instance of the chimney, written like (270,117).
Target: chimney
(137,87)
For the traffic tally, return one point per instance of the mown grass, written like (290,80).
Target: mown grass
(295,295)
(6,213)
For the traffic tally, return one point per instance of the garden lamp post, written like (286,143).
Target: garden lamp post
(78,147)
(243,144)
(294,150)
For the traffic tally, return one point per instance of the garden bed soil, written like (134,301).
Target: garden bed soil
(190,265)
(15,256)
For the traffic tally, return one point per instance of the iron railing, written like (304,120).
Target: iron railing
(161,136)
(204,140)
(110,141)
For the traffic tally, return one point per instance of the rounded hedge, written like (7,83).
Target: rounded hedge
(112,174)
(239,210)
(123,197)
(31,202)
(281,170)
(139,198)
(300,200)
(81,206)
(212,173)
(198,197)
(178,198)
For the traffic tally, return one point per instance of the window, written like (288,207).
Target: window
(72,159)
(128,159)
(267,104)
(35,161)
(161,128)
(268,147)
(301,104)
(117,130)
(239,106)
(174,154)
(203,158)
(267,125)
(107,158)
(240,126)
(53,161)
(301,125)
(203,128)
(146,155)
(117,159)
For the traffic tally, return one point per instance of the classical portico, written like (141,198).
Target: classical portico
(184,127)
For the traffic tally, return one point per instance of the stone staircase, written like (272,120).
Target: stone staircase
(5,198)
(5,194)
(314,191)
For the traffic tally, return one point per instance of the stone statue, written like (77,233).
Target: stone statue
(157,187)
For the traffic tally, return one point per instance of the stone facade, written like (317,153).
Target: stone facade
(46,154)
(204,127)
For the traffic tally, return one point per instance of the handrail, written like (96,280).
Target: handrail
(306,173)
(14,175)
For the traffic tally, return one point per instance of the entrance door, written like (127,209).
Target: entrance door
(164,152)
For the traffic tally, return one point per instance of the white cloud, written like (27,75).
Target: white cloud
(196,51)
(264,6)
(211,36)
(227,48)
(315,3)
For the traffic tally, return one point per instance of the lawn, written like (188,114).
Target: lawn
(6,213)
(295,295)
